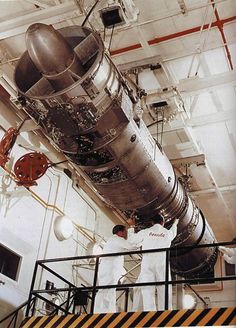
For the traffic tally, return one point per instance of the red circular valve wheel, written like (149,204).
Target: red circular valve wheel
(30,167)
(6,144)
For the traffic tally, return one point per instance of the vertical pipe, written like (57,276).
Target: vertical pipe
(126,299)
(220,27)
(15,320)
(94,284)
(167,280)
(68,300)
(31,288)
(180,295)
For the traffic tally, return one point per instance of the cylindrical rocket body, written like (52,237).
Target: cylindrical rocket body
(92,121)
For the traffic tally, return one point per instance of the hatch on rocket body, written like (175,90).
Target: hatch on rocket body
(89,111)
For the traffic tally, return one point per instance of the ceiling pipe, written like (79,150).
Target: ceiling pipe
(220,25)
(173,36)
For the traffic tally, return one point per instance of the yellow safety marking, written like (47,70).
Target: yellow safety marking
(223,317)
(26,325)
(233,321)
(190,319)
(73,325)
(117,319)
(162,316)
(90,320)
(103,320)
(67,318)
(38,324)
(148,316)
(131,319)
(52,321)
(207,317)
(176,317)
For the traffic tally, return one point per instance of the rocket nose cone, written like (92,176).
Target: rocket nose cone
(48,50)
(34,27)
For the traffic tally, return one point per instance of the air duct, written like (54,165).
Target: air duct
(69,85)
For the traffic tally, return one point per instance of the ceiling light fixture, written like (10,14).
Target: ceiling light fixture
(63,227)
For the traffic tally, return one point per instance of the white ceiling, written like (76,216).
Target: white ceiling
(196,48)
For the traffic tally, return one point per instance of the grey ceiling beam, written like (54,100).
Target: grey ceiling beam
(195,86)
(49,15)
(213,118)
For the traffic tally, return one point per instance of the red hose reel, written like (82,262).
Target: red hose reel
(30,167)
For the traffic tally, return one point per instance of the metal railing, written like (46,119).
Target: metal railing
(67,306)
(13,316)
(94,288)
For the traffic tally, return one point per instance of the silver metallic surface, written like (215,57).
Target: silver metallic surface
(88,111)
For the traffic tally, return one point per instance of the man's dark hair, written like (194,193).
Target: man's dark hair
(158,219)
(117,228)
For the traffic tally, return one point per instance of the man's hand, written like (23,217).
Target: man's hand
(176,221)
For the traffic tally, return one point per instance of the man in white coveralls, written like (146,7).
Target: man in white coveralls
(111,269)
(153,264)
(229,254)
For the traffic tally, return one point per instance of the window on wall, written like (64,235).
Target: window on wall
(9,262)
(229,269)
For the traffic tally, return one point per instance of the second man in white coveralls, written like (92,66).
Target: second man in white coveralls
(153,264)
(229,254)
(110,269)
